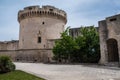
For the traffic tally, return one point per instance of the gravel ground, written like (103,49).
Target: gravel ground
(70,72)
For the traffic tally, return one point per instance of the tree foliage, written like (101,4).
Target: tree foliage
(64,47)
(89,46)
(84,48)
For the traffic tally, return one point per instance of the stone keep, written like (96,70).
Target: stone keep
(39,28)
(109,31)
(38,25)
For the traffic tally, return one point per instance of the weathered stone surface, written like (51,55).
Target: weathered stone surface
(39,28)
(109,31)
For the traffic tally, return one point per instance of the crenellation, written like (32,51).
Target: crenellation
(48,11)
(9,45)
(31,8)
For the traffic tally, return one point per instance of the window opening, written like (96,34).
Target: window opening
(51,9)
(39,39)
(113,19)
(43,23)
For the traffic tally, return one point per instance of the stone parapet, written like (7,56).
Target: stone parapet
(45,11)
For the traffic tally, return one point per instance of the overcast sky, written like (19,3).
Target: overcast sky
(79,12)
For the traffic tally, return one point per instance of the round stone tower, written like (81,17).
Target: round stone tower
(37,25)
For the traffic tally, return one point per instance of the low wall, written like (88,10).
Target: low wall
(29,55)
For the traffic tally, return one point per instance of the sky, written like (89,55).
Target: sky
(79,13)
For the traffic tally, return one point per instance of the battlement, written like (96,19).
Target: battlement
(45,11)
(7,42)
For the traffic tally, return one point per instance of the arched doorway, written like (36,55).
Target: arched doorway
(112,48)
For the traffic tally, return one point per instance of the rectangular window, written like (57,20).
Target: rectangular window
(51,9)
(39,39)
(113,19)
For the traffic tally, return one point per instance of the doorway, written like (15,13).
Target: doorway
(112,47)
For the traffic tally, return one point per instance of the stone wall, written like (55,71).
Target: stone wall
(39,28)
(31,29)
(37,25)
(109,31)
(43,55)
(74,32)
(103,33)
(9,45)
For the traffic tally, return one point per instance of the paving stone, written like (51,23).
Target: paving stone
(70,72)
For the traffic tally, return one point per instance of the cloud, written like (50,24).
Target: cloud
(80,12)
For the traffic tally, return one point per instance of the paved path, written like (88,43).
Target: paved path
(70,72)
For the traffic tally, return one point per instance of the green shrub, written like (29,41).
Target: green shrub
(6,64)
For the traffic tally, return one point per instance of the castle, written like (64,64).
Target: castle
(109,32)
(39,28)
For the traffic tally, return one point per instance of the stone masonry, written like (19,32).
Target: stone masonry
(109,31)
(39,28)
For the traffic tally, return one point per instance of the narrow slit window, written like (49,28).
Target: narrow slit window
(39,39)
(39,33)
(43,23)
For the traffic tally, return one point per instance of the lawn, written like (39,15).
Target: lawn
(18,75)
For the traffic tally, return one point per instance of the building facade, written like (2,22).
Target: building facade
(109,32)
(74,32)
(39,28)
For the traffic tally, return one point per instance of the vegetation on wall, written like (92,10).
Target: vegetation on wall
(84,48)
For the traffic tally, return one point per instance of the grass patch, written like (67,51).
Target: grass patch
(18,75)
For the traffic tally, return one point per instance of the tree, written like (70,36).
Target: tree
(88,41)
(84,48)
(64,47)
